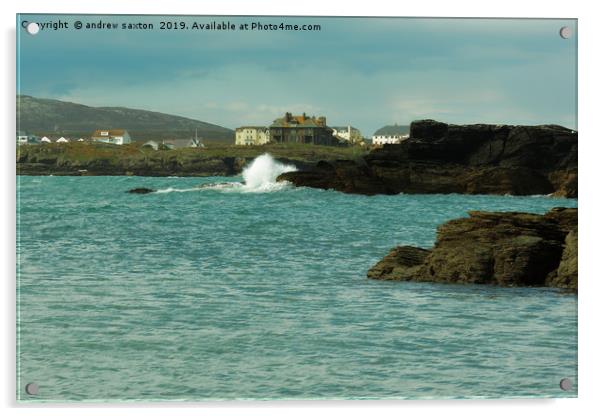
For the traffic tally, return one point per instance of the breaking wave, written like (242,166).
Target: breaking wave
(260,176)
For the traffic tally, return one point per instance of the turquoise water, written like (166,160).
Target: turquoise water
(219,293)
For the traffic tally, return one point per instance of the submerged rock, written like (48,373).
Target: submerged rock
(141,191)
(470,159)
(499,248)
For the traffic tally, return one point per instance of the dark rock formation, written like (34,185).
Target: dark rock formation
(566,274)
(141,191)
(500,248)
(472,159)
(402,263)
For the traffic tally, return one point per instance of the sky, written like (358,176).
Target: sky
(364,72)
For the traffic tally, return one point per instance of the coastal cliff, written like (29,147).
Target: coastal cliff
(467,159)
(499,248)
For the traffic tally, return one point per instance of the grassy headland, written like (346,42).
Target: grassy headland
(84,158)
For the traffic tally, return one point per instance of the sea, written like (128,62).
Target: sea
(238,288)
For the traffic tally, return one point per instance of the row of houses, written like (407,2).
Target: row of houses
(287,129)
(112,136)
(115,136)
(297,129)
(313,130)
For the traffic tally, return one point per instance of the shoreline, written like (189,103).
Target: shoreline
(93,159)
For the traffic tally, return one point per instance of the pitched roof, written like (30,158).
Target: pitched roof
(394,130)
(251,127)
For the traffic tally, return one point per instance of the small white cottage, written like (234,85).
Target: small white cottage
(113,136)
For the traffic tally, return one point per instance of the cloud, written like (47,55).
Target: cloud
(364,72)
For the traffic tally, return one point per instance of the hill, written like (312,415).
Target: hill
(47,117)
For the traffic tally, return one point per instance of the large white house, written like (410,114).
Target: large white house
(113,136)
(394,134)
(347,134)
(252,135)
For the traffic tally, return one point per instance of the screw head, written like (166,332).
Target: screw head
(31,389)
(32,28)
(565,32)
(566,384)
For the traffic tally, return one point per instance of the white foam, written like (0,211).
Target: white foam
(261,174)
(170,189)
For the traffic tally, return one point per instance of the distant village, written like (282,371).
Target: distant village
(288,129)
(314,130)
(111,136)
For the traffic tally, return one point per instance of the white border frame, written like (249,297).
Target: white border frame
(590,149)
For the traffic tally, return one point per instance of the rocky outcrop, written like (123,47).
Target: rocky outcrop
(499,248)
(566,274)
(471,159)
(402,263)
(141,191)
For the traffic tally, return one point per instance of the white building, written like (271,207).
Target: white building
(347,134)
(112,136)
(45,140)
(62,140)
(394,134)
(24,138)
(252,135)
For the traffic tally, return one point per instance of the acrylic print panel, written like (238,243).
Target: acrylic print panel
(224,207)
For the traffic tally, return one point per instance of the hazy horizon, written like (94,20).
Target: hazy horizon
(364,72)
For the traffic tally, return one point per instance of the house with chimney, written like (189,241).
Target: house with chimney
(302,129)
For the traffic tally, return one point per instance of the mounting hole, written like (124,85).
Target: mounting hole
(32,28)
(31,389)
(565,32)
(566,384)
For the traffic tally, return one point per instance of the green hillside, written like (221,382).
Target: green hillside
(46,117)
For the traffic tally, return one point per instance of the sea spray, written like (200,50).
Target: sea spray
(261,174)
